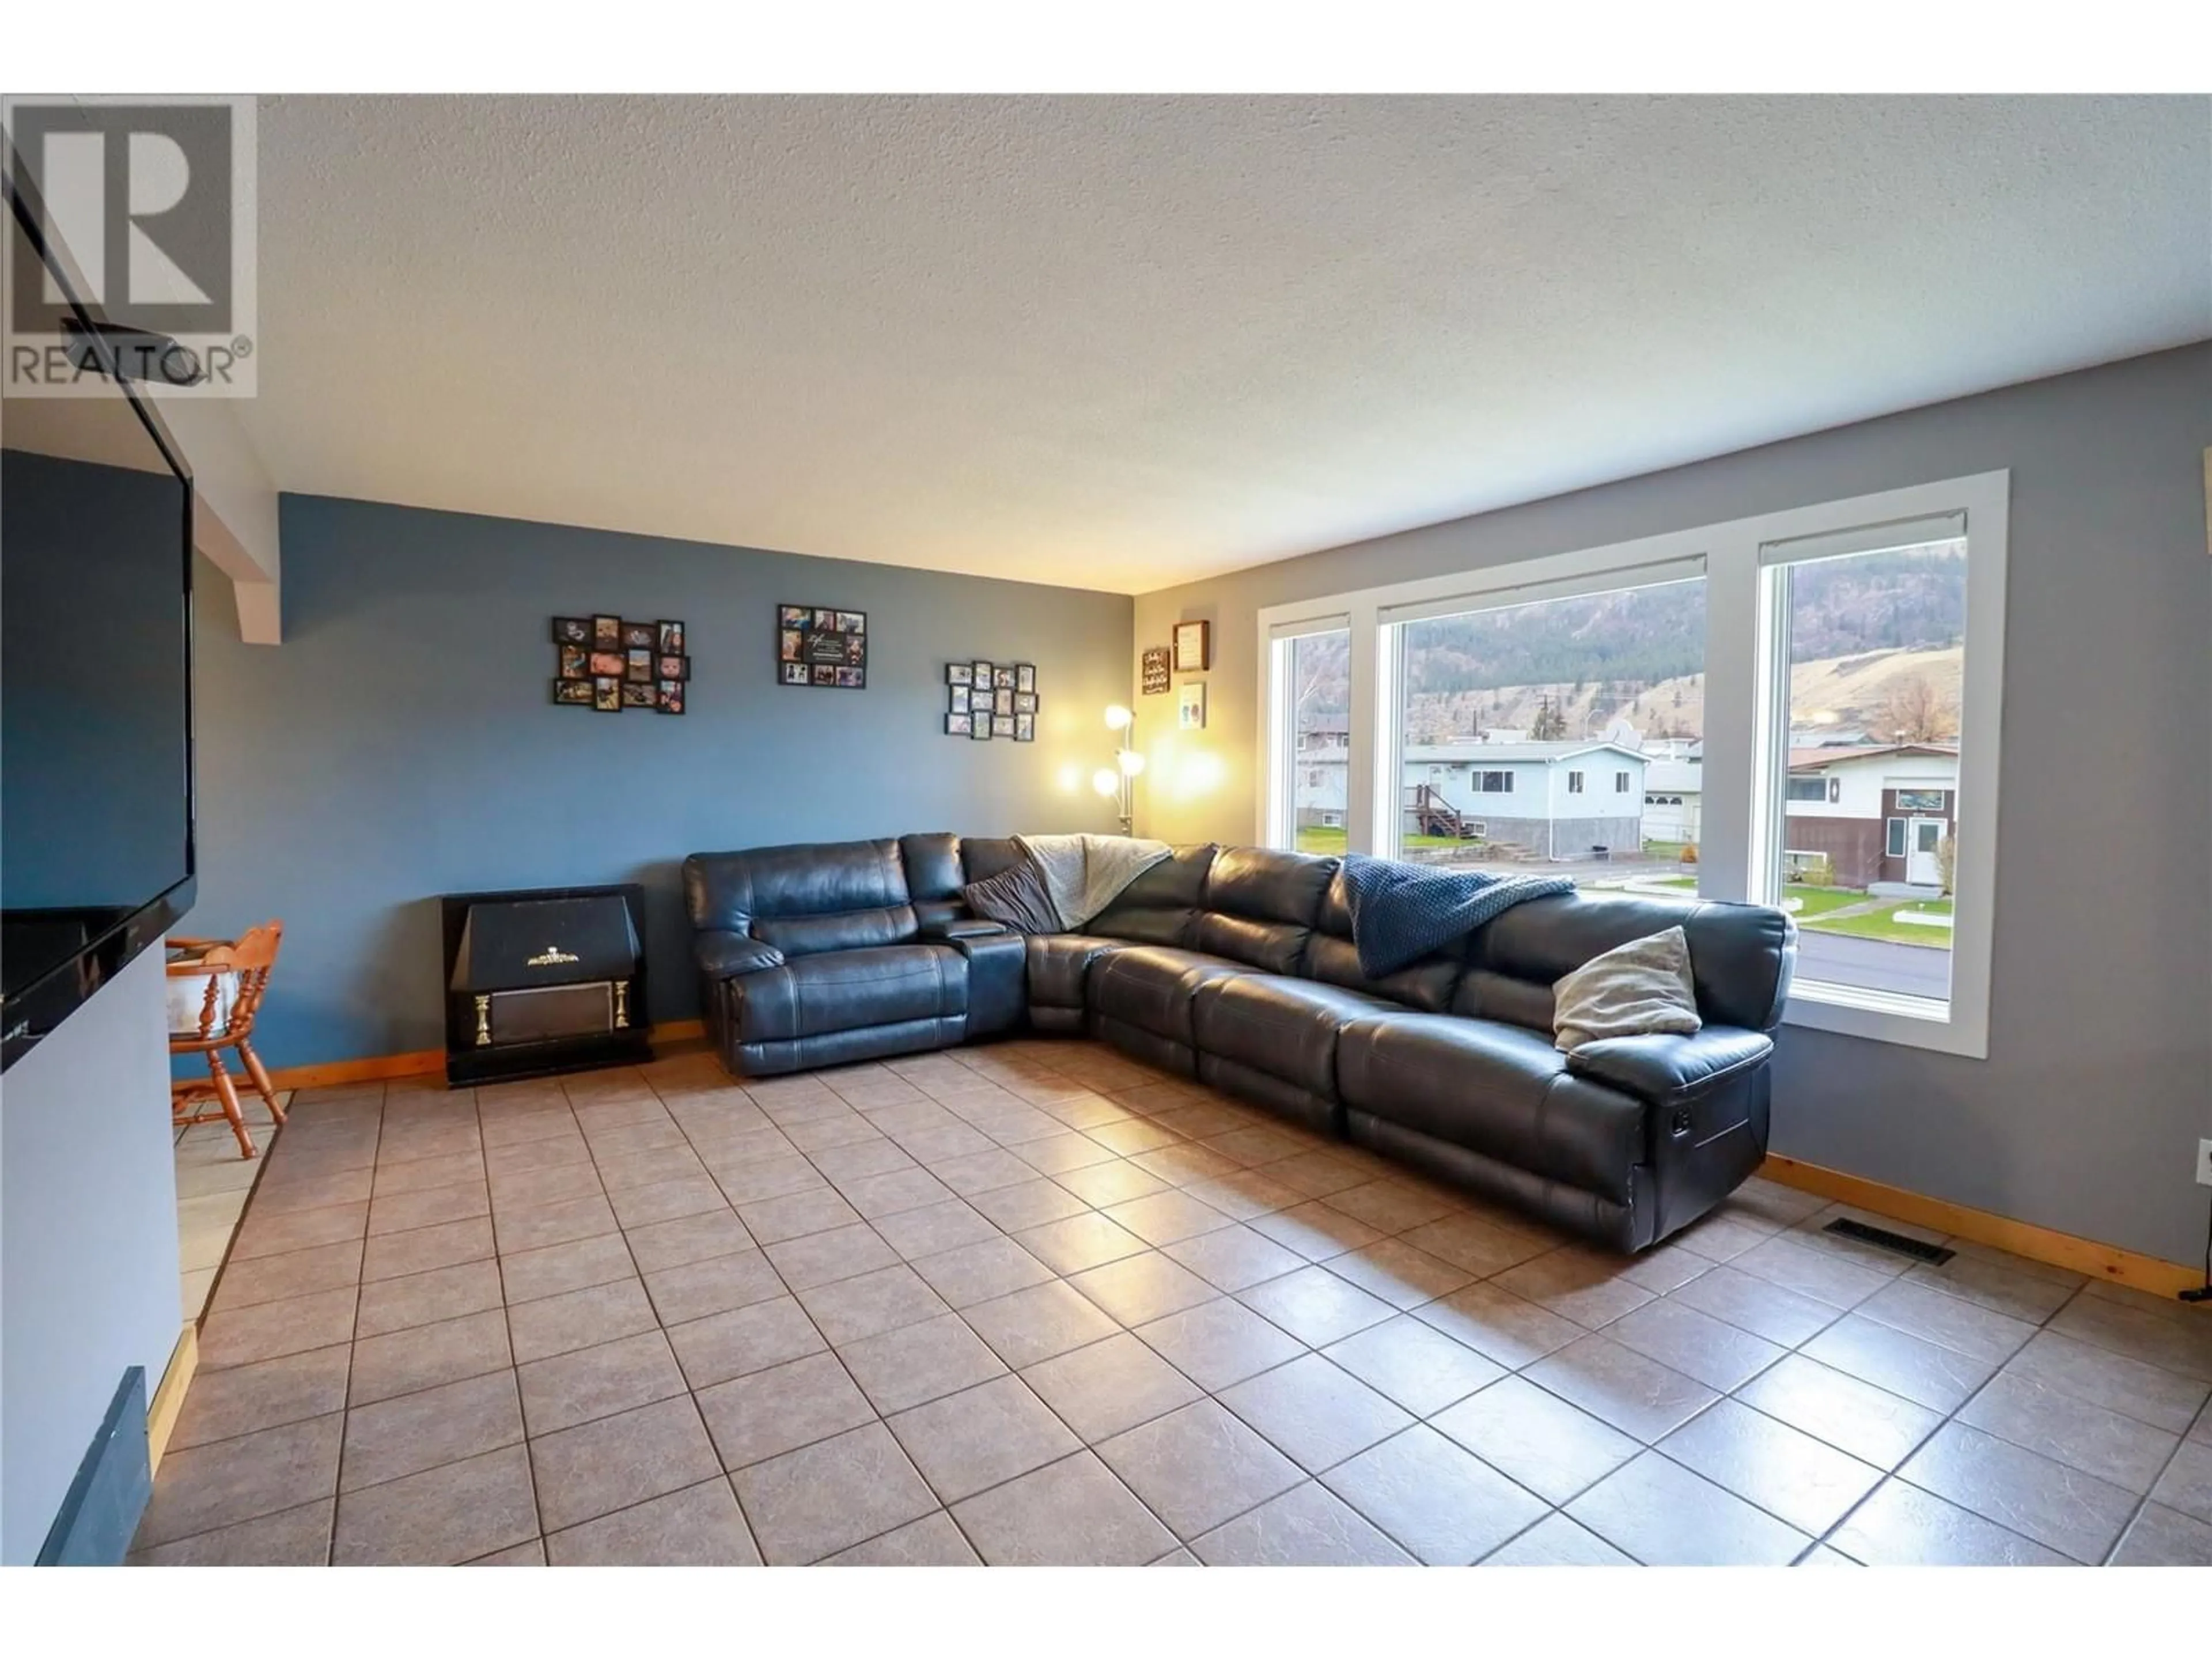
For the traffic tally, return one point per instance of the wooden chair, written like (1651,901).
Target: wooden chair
(236,973)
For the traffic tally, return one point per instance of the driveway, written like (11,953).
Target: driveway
(1914,970)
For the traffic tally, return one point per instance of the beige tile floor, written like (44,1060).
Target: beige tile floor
(213,1182)
(1032,1302)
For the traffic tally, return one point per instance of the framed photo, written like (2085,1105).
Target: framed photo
(639,637)
(1002,726)
(575,693)
(956,700)
(1024,676)
(638,665)
(982,672)
(1190,705)
(1003,678)
(1194,647)
(1002,702)
(606,632)
(1025,702)
(1026,728)
(956,724)
(575,662)
(672,668)
(637,694)
(671,698)
(980,727)
(959,673)
(572,630)
(606,695)
(1156,669)
(605,663)
(671,638)
(829,646)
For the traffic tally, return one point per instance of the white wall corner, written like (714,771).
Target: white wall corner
(234,513)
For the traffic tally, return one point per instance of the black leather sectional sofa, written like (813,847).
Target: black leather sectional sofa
(1235,966)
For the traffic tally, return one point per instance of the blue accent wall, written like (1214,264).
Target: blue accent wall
(402,742)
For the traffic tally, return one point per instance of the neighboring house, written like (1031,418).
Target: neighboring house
(1875,812)
(1557,800)
(1673,793)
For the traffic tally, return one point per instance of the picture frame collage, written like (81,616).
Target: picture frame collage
(985,700)
(610,664)
(821,647)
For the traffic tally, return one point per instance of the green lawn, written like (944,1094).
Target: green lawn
(1879,924)
(1315,839)
(1819,901)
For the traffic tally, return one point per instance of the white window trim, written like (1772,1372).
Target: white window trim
(1743,766)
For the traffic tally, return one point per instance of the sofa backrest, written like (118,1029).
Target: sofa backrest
(982,857)
(1331,957)
(933,875)
(837,895)
(1740,955)
(1261,905)
(1161,905)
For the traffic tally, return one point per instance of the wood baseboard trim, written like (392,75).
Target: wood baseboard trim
(422,1062)
(169,1397)
(2082,1256)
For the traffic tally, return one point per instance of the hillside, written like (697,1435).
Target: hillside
(1864,631)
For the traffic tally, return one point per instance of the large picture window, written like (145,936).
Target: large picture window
(1875,643)
(1800,708)
(1559,701)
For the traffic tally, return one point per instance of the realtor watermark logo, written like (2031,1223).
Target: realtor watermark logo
(149,205)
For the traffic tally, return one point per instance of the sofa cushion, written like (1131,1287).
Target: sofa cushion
(1501,1090)
(1151,987)
(1057,963)
(841,990)
(1261,905)
(1015,896)
(1427,984)
(1160,906)
(842,896)
(1641,988)
(1286,1028)
(1740,955)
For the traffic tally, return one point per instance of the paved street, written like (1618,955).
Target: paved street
(1913,968)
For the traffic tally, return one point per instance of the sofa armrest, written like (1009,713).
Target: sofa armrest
(724,955)
(959,927)
(1668,1069)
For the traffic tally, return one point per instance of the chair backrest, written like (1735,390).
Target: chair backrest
(245,962)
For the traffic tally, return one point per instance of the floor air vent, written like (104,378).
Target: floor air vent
(1882,1238)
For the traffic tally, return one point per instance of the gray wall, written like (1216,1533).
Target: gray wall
(87,1240)
(2085,1115)
(402,742)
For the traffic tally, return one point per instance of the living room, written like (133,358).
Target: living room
(1096,830)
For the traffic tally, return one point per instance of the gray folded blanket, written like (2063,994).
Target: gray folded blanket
(1084,874)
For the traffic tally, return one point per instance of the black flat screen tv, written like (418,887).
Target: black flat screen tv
(96,854)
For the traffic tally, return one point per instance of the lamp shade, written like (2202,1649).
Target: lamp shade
(1130,761)
(1117,718)
(1104,781)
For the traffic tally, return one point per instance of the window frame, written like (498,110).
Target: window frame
(1746,740)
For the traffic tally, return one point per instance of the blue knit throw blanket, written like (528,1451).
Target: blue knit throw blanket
(1401,912)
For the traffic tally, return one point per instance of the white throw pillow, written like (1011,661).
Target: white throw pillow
(1633,989)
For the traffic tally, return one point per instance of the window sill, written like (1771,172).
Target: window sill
(1885,1016)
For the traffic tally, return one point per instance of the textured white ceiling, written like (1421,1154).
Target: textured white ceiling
(1122,343)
